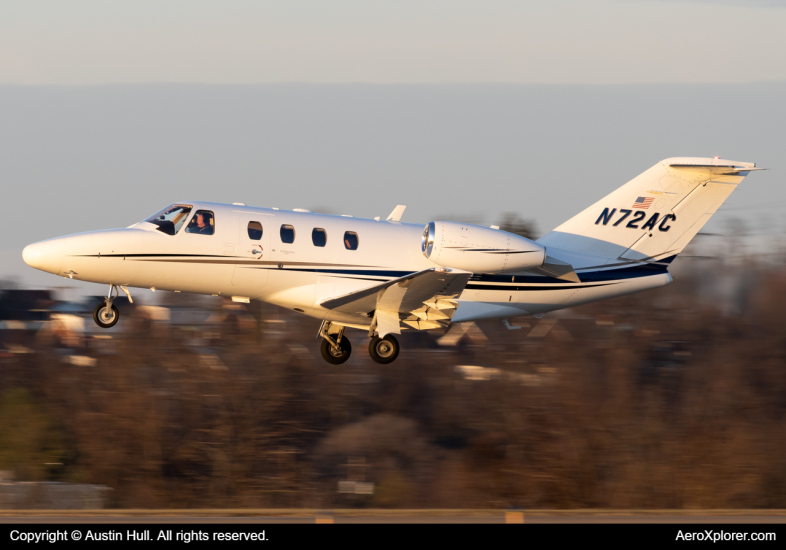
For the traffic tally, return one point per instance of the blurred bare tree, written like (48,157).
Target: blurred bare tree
(514,223)
(30,443)
(645,401)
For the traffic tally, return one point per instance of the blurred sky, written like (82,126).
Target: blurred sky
(111,110)
(406,41)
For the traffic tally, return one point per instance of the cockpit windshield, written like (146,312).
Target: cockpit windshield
(171,218)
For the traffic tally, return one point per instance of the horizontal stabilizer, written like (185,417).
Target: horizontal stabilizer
(553,267)
(714,169)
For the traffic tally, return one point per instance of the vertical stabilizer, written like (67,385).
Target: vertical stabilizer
(656,214)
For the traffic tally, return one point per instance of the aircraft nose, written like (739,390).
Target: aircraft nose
(45,255)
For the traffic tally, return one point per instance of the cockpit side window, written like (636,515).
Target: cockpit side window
(203,223)
(170,219)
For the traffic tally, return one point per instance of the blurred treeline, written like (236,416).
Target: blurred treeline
(673,398)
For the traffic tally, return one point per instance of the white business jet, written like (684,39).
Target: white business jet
(385,276)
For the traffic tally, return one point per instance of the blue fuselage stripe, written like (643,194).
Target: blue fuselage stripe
(508,282)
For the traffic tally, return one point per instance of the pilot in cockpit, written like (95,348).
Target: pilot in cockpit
(201,224)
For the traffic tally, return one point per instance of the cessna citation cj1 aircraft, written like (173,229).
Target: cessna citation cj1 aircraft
(386,276)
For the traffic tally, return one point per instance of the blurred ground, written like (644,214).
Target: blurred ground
(669,399)
(387,516)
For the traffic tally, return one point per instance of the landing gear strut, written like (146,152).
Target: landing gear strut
(105,314)
(335,347)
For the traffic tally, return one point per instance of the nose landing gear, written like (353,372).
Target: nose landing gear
(105,314)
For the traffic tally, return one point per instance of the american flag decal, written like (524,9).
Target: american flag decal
(643,202)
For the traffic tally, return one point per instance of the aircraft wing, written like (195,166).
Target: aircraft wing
(425,299)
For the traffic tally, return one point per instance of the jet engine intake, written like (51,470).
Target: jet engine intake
(479,249)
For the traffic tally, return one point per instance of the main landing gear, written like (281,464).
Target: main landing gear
(383,350)
(336,348)
(105,314)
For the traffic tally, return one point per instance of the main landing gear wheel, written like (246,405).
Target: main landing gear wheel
(105,316)
(383,350)
(336,355)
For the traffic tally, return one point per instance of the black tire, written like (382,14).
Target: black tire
(336,357)
(383,350)
(104,317)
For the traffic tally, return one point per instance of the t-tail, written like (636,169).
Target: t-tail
(651,218)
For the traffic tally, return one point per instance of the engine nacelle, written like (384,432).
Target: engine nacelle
(479,249)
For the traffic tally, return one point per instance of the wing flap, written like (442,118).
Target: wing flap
(366,299)
(429,293)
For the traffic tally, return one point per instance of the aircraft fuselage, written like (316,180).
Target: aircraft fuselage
(299,275)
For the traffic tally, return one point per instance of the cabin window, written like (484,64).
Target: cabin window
(351,240)
(170,219)
(319,237)
(203,223)
(287,234)
(254,231)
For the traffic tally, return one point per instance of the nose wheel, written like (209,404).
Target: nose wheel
(106,316)
(383,350)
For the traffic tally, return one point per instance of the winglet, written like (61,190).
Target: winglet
(395,216)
